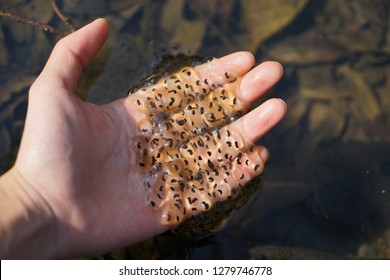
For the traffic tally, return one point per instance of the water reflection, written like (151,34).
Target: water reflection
(327,184)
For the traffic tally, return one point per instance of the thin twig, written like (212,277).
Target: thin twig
(64,18)
(44,27)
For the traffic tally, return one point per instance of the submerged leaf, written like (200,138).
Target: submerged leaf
(265,18)
(186,34)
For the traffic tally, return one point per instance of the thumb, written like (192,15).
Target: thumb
(72,54)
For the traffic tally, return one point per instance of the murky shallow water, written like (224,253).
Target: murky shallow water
(326,187)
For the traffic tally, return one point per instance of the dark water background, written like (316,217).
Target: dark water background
(326,188)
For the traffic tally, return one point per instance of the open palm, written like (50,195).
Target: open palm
(76,156)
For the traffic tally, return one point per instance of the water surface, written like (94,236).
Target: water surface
(326,188)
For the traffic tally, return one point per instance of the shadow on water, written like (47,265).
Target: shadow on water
(326,188)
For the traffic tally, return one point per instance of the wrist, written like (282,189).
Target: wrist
(27,225)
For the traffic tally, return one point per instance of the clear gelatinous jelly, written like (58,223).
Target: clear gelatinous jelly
(191,156)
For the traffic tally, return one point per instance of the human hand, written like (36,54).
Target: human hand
(75,169)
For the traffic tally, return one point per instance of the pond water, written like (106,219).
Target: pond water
(325,192)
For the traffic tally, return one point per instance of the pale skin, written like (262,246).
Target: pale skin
(70,191)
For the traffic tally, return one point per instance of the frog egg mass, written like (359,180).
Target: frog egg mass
(192,157)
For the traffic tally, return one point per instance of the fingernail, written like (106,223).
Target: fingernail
(280,65)
(264,153)
(282,101)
